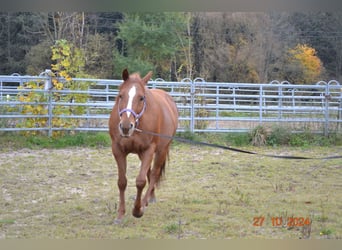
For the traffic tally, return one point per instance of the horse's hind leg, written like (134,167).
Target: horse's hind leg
(155,175)
(152,198)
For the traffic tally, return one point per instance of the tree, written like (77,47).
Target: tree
(68,62)
(150,41)
(303,65)
(322,31)
(18,35)
(211,50)
(68,59)
(222,47)
(98,56)
(26,38)
(38,58)
(64,25)
(243,47)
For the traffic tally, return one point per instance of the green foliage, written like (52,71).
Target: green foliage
(326,232)
(238,139)
(6,221)
(32,108)
(82,139)
(38,58)
(17,37)
(68,63)
(15,140)
(279,135)
(149,41)
(301,140)
(172,228)
(274,136)
(134,64)
(69,60)
(188,135)
(226,113)
(243,47)
(92,139)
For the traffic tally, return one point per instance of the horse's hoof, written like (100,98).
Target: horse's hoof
(152,200)
(118,221)
(137,213)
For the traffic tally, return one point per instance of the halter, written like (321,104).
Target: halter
(136,116)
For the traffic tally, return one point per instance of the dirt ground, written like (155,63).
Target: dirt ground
(207,193)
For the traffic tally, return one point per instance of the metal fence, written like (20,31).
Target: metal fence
(203,106)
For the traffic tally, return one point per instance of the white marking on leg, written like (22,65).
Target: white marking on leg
(131,94)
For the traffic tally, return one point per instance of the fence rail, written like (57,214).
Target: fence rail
(203,106)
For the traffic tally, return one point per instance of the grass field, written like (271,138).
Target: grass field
(71,193)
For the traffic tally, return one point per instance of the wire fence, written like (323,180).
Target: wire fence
(203,106)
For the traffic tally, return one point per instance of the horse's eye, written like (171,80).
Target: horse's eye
(142,98)
(120,96)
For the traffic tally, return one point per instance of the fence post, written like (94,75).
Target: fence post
(260,103)
(49,89)
(326,110)
(339,114)
(192,108)
(48,86)
(50,114)
(217,106)
(280,102)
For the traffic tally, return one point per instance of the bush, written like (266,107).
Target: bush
(282,136)
(238,139)
(279,135)
(259,136)
(303,139)
(201,124)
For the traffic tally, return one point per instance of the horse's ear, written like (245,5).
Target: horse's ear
(147,77)
(125,74)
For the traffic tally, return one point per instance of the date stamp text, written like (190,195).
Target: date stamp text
(277,221)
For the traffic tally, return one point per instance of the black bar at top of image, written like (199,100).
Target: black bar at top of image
(171,5)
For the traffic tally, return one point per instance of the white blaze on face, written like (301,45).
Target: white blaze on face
(131,94)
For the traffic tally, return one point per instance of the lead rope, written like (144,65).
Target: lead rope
(180,139)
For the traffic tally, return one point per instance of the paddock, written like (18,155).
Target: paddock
(210,193)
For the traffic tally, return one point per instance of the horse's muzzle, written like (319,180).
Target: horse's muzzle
(126,128)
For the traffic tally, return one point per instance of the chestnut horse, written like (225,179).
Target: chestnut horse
(138,109)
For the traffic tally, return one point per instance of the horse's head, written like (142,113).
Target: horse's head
(131,101)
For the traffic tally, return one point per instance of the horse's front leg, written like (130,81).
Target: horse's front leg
(122,184)
(146,159)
